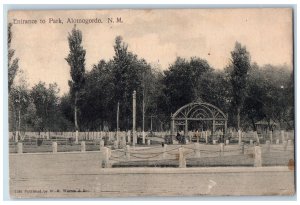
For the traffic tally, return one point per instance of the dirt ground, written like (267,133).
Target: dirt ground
(76,174)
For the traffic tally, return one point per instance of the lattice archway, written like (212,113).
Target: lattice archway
(199,111)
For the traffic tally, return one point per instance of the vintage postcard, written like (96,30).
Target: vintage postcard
(154,102)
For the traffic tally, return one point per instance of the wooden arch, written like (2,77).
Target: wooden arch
(199,111)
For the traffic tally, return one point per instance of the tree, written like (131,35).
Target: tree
(13,65)
(181,82)
(126,72)
(98,97)
(76,60)
(240,62)
(47,108)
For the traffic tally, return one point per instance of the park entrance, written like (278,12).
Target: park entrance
(199,115)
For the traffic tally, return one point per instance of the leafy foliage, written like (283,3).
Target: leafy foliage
(76,60)
(246,92)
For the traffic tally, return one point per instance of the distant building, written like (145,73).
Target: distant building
(263,126)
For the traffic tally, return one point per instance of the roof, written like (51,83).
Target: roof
(265,122)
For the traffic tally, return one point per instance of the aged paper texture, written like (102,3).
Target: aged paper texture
(161,102)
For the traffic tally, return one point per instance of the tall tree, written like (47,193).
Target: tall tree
(76,60)
(127,78)
(13,65)
(240,59)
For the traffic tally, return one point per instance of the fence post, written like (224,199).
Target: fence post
(289,142)
(82,146)
(20,147)
(101,144)
(268,144)
(242,147)
(284,145)
(282,135)
(182,161)
(277,141)
(164,151)
(106,157)
(129,137)
(256,136)
(17,136)
(251,142)
(271,136)
(76,137)
(148,141)
(206,138)
(227,142)
(134,141)
(222,149)
(197,149)
(240,136)
(127,152)
(214,141)
(257,159)
(116,144)
(54,147)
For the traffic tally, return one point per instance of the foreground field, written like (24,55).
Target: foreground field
(80,175)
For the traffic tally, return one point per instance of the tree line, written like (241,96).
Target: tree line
(243,90)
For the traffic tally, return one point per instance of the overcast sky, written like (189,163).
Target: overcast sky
(159,36)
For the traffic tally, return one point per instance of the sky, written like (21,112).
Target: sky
(159,36)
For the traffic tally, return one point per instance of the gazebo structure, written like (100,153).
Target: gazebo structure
(201,112)
(263,126)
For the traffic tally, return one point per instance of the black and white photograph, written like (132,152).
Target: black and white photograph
(151,103)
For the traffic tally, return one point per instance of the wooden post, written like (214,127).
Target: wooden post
(17,136)
(143,105)
(257,159)
(242,147)
(182,161)
(107,154)
(118,105)
(256,135)
(186,128)
(116,145)
(206,137)
(240,136)
(214,128)
(76,137)
(172,126)
(284,145)
(148,141)
(221,149)
(165,150)
(54,147)
(20,147)
(289,143)
(127,152)
(101,144)
(282,135)
(251,142)
(268,144)
(129,137)
(82,146)
(134,118)
(197,149)
(271,136)
(227,142)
